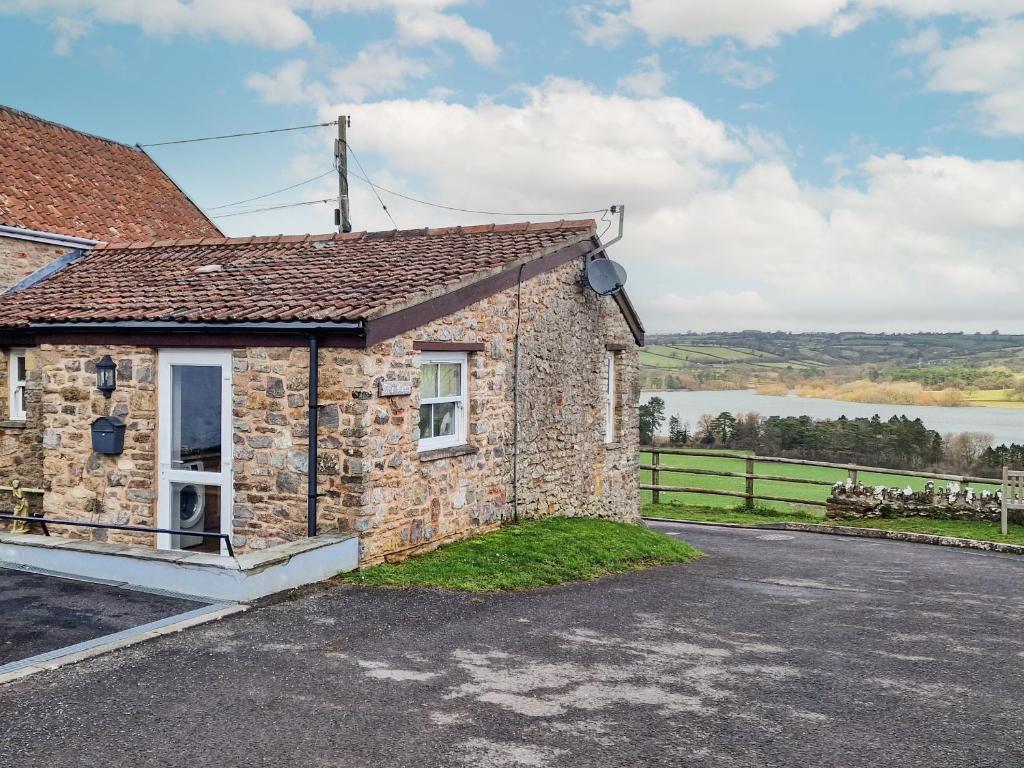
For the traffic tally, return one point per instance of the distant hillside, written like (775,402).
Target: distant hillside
(985,368)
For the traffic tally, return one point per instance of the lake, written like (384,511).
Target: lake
(1005,424)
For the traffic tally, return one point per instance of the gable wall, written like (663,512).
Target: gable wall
(410,504)
(20,258)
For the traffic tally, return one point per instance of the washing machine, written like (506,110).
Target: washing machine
(189,502)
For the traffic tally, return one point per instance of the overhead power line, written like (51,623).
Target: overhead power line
(366,177)
(239,135)
(270,194)
(275,208)
(470,210)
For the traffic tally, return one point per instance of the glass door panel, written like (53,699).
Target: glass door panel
(195,482)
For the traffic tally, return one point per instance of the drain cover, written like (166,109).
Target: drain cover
(775,537)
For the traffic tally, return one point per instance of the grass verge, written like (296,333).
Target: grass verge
(740,515)
(532,554)
(963,529)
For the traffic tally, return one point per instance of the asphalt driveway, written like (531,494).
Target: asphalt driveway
(43,613)
(774,650)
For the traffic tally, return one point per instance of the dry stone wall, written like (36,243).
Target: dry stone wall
(954,502)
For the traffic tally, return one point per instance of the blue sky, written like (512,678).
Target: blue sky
(786,164)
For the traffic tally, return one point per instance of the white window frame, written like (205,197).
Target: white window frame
(460,435)
(609,406)
(15,406)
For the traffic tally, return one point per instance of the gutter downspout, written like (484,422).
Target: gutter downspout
(313,492)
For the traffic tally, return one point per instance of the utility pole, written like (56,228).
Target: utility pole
(341,214)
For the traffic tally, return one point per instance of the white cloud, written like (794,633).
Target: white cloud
(765,22)
(988,64)
(714,215)
(288,84)
(380,68)
(715,310)
(427,26)
(736,70)
(647,79)
(267,23)
(66,30)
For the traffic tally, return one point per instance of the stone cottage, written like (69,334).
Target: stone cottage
(410,387)
(61,193)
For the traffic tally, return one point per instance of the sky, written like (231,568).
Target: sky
(791,165)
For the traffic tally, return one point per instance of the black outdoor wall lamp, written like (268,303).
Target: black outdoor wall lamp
(106,376)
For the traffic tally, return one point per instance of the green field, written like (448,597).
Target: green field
(994,398)
(747,358)
(713,461)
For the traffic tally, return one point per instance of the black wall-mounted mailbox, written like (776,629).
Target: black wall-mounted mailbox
(108,435)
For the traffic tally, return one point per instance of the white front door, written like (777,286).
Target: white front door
(195,448)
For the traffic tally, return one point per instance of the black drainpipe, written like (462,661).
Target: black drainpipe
(314,424)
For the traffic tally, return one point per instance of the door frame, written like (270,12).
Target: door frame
(166,475)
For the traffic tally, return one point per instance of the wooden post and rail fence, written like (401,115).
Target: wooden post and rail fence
(657,468)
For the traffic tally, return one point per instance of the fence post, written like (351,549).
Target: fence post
(655,476)
(750,482)
(852,475)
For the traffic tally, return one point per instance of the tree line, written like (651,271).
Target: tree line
(896,443)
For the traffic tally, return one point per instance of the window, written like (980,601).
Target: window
(17,376)
(609,410)
(443,400)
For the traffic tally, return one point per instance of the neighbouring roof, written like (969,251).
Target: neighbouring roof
(55,179)
(306,278)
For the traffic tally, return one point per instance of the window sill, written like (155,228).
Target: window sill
(13,424)
(436,454)
(613,445)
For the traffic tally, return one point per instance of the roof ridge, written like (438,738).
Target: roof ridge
(29,116)
(524,226)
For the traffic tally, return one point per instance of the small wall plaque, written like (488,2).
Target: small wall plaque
(361,394)
(395,388)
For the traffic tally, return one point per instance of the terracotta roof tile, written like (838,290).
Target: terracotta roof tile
(59,180)
(333,277)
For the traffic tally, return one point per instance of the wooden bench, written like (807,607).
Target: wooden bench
(1013,493)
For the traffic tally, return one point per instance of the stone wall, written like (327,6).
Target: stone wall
(20,258)
(954,502)
(82,485)
(271,441)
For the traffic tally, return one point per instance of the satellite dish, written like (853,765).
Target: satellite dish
(605,276)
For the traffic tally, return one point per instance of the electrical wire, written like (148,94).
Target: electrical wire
(373,186)
(269,194)
(468,210)
(275,208)
(239,135)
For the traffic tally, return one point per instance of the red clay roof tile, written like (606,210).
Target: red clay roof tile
(59,180)
(333,277)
